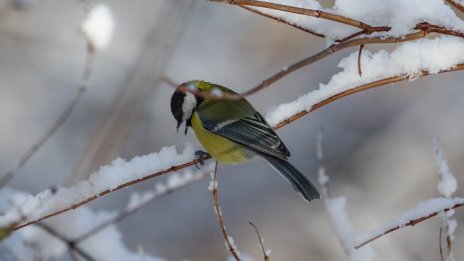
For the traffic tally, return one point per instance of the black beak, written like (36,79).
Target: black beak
(186,128)
(178,125)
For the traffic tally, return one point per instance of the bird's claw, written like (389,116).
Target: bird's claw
(201,156)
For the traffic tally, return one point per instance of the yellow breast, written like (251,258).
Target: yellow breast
(220,148)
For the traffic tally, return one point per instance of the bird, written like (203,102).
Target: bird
(233,132)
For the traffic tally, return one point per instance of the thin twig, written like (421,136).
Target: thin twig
(217,208)
(439,244)
(359,59)
(410,223)
(71,245)
(125,213)
(83,85)
(266,257)
(282,20)
(309,12)
(277,126)
(448,242)
(310,60)
(169,81)
(456,5)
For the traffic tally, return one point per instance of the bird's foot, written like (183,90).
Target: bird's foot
(201,156)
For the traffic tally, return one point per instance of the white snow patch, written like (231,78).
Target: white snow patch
(98,27)
(408,59)
(107,177)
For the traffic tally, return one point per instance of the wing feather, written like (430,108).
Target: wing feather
(252,132)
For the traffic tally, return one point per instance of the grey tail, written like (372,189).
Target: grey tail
(299,182)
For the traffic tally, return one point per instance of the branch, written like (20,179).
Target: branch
(71,245)
(265,253)
(357,89)
(281,20)
(409,218)
(83,85)
(124,214)
(359,59)
(424,30)
(309,12)
(456,5)
(217,208)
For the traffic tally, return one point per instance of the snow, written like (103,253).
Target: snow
(98,27)
(447,184)
(105,245)
(174,182)
(402,16)
(409,59)
(422,209)
(107,177)
(344,230)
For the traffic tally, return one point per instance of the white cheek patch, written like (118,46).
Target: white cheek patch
(190,102)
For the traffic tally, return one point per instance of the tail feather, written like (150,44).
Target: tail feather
(299,182)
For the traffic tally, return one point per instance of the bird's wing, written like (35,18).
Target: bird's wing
(251,131)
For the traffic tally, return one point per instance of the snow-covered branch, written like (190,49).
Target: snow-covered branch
(119,174)
(422,211)
(345,17)
(446,186)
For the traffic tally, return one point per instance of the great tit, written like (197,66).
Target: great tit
(232,131)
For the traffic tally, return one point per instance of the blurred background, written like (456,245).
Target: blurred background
(378,144)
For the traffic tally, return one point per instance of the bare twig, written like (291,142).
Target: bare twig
(281,20)
(456,5)
(359,59)
(409,223)
(266,256)
(83,85)
(169,81)
(71,245)
(439,244)
(217,208)
(309,12)
(277,126)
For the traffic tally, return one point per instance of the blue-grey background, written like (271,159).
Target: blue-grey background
(378,144)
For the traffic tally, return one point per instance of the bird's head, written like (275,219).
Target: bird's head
(184,103)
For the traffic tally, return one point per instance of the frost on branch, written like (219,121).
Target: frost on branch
(408,59)
(108,177)
(447,185)
(336,209)
(402,16)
